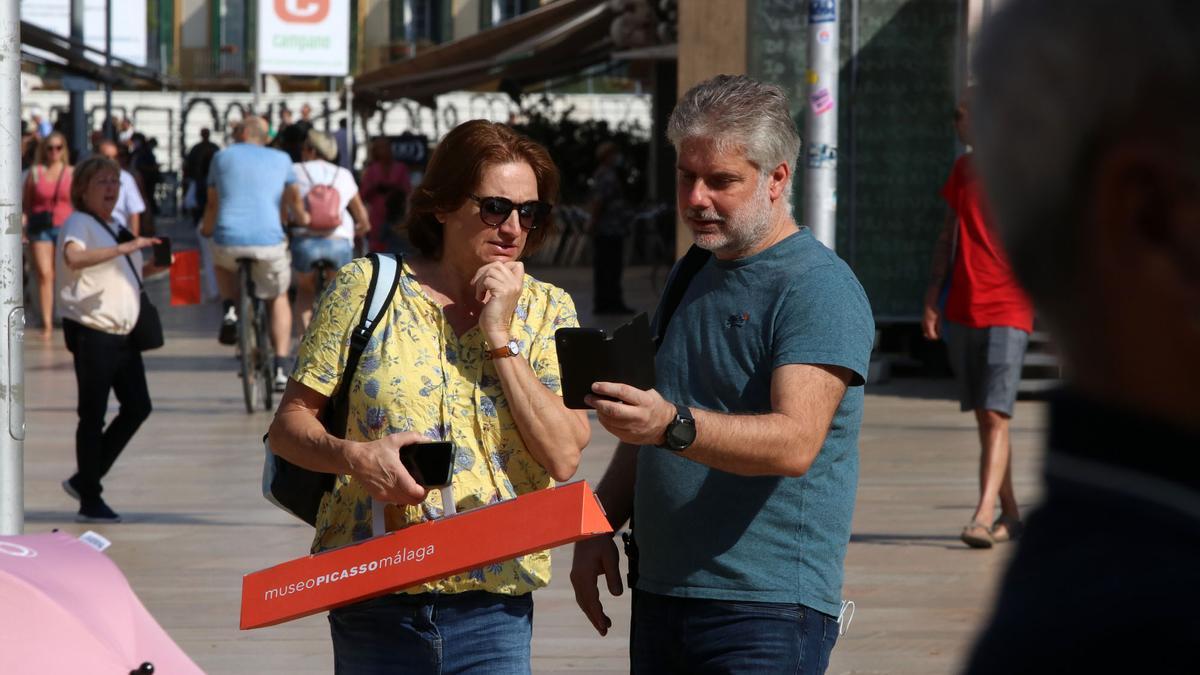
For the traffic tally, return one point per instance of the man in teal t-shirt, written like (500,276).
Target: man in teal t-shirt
(746,452)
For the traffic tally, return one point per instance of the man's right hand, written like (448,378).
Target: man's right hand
(594,557)
(376,464)
(931,321)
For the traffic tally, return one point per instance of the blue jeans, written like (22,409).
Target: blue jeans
(474,632)
(308,250)
(693,635)
(49,234)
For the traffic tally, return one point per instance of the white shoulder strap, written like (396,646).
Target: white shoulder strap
(388,268)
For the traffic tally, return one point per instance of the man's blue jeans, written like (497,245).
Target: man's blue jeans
(692,635)
(475,632)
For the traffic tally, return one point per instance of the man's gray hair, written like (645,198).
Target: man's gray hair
(737,111)
(1058,81)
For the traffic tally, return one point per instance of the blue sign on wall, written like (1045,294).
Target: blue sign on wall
(822,11)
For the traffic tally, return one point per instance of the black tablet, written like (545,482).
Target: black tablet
(588,355)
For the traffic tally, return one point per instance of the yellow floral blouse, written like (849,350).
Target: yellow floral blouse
(417,374)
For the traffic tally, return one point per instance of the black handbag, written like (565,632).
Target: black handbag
(298,490)
(147,333)
(40,221)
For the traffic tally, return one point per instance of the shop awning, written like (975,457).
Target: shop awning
(41,46)
(558,38)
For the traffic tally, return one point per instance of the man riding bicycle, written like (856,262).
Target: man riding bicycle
(249,186)
(333,241)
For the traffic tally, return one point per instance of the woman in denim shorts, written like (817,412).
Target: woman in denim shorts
(47,204)
(335,245)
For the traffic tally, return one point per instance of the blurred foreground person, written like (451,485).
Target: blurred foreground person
(1089,146)
(466,354)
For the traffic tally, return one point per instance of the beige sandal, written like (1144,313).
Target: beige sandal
(1011,531)
(977,535)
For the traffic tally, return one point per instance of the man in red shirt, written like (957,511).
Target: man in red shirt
(987,320)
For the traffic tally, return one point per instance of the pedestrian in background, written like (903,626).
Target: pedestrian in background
(335,245)
(249,187)
(143,163)
(609,216)
(100,268)
(195,172)
(29,143)
(46,201)
(129,207)
(1089,147)
(987,320)
(342,138)
(385,187)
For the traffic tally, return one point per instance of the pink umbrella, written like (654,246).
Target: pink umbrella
(66,608)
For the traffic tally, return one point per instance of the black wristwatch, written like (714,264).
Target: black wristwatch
(681,431)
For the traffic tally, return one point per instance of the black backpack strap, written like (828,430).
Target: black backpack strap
(677,284)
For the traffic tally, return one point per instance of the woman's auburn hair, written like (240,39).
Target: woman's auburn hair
(85,172)
(457,167)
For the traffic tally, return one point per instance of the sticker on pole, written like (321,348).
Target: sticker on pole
(822,101)
(821,156)
(822,11)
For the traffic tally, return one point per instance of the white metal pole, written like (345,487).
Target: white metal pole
(820,122)
(349,84)
(257,86)
(108,127)
(79,130)
(12,359)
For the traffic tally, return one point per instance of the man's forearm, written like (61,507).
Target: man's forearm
(770,444)
(942,255)
(209,224)
(615,489)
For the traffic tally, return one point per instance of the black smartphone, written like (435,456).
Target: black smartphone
(588,355)
(162,252)
(429,463)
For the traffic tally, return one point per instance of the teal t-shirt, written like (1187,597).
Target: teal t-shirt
(249,181)
(705,533)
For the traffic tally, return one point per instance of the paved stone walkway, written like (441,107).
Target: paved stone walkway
(188,487)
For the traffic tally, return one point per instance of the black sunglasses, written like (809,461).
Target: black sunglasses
(493,211)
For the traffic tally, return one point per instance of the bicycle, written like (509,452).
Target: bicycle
(254,342)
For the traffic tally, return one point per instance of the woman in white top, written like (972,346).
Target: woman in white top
(334,245)
(97,287)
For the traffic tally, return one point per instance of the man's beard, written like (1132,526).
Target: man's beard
(745,227)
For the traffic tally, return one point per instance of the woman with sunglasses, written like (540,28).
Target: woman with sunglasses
(47,204)
(465,353)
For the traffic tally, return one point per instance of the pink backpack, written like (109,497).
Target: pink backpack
(323,203)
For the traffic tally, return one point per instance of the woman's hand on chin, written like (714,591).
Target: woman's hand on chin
(498,286)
